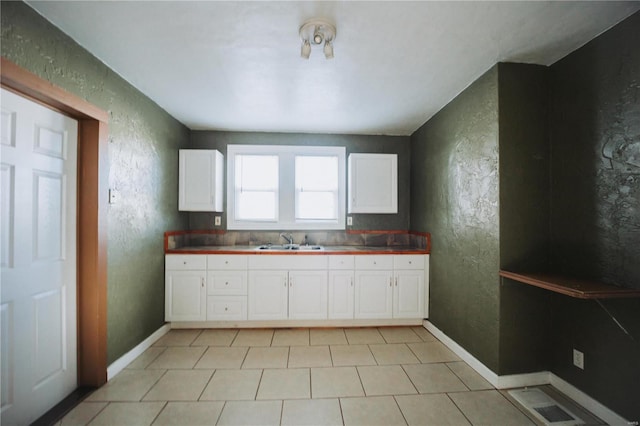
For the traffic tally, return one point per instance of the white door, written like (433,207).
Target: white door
(268,295)
(408,294)
(308,294)
(374,293)
(38,292)
(341,292)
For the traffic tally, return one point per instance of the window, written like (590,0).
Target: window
(285,187)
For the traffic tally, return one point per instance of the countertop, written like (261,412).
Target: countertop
(328,250)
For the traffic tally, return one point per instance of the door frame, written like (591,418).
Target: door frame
(92,213)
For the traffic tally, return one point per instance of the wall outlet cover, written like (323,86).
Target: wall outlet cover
(349,221)
(578,359)
(217,221)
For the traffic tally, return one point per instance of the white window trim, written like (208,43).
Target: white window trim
(286,219)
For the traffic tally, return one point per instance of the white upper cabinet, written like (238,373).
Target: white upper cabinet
(373,183)
(200,180)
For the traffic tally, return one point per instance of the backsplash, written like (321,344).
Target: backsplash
(179,239)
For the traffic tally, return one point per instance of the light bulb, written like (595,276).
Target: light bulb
(317,37)
(328,49)
(305,51)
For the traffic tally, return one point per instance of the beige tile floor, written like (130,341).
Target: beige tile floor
(351,376)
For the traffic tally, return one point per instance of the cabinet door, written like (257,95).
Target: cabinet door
(341,292)
(308,294)
(185,296)
(268,295)
(373,183)
(374,293)
(408,294)
(200,180)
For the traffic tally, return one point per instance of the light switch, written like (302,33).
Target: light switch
(349,221)
(217,221)
(114,195)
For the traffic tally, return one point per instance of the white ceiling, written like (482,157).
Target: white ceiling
(237,66)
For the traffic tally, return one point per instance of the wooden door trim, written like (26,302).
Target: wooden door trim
(92,213)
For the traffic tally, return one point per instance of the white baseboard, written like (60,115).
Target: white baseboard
(529,379)
(119,364)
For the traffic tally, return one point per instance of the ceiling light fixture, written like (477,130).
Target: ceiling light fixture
(316,32)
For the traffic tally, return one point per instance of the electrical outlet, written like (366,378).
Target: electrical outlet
(217,221)
(578,359)
(349,221)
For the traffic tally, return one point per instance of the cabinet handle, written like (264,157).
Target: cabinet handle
(396,281)
(391,282)
(226,262)
(184,262)
(290,282)
(226,308)
(351,282)
(227,283)
(202,281)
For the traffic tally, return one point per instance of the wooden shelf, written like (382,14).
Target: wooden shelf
(572,287)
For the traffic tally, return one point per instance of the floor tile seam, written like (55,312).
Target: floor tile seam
(255,396)
(153,385)
(409,377)
(224,405)
(213,372)
(159,411)
(94,416)
(235,336)
(400,409)
(459,378)
(458,407)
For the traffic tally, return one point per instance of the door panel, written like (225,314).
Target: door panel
(38,294)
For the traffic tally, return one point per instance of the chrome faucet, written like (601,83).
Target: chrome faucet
(289,237)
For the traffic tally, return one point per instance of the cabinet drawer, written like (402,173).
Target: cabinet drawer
(229,283)
(230,261)
(368,262)
(287,262)
(226,308)
(408,261)
(190,262)
(341,262)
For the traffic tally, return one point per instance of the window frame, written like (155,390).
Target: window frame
(286,208)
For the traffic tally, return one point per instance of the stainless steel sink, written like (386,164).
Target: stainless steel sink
(289,247)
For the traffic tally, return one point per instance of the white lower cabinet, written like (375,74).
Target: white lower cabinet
(382,292)
(185,291)
(268,295)
(308,294)
(226,288)
(292,287)
(280,295)
(374,294)
(341,294)
(341,287)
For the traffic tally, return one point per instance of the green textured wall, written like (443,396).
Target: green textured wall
(454,195)
(524,216)
(595,212)
(143,154)
(354,143)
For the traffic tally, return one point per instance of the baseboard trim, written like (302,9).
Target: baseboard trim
(529,379)
(119,364)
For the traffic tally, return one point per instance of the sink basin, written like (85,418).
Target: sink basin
(287,247)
